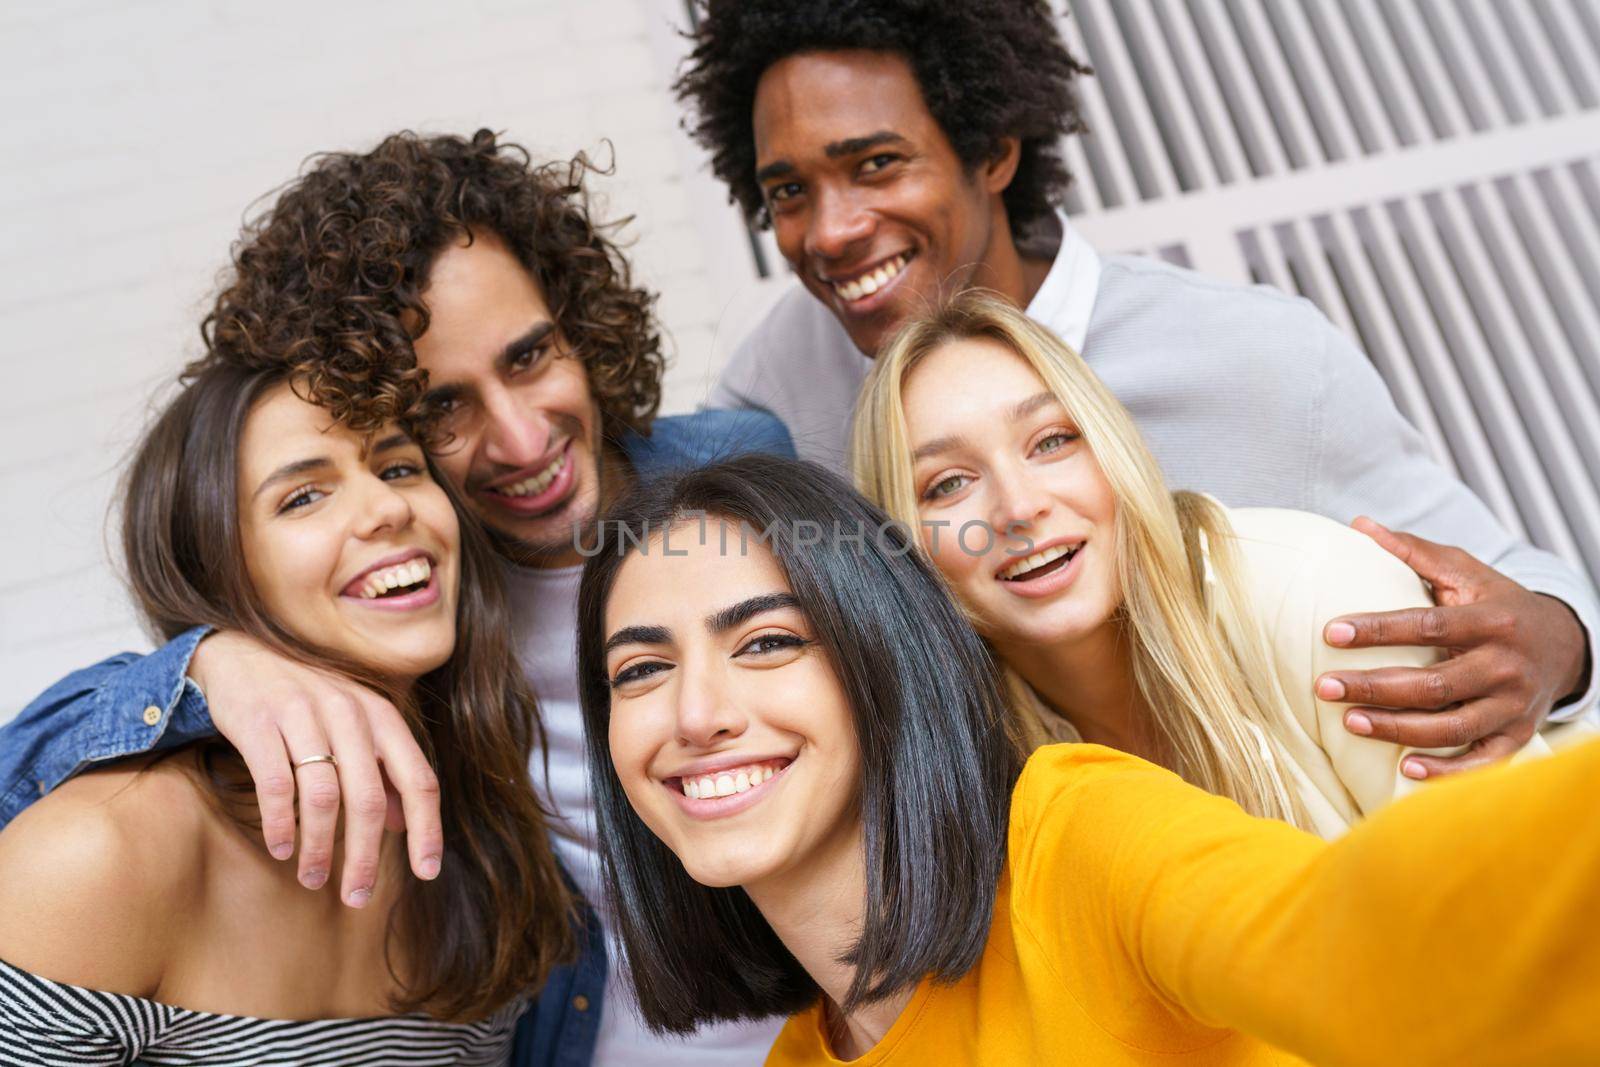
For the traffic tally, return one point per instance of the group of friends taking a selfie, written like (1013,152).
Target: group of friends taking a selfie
(990,672)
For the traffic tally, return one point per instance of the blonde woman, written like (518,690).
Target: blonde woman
(1155,622)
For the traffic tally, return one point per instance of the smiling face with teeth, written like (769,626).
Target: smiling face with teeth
(348,542)
(525,445)
(869,202)
(991,444)
(729,730)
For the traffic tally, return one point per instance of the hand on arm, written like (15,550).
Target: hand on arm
(1514,654)
(276,712)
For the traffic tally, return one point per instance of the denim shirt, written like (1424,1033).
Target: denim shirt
(122,706)
(132,704)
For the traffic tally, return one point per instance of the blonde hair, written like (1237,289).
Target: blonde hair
(1200,659)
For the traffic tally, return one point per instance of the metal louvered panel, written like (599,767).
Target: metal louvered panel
(1426,171)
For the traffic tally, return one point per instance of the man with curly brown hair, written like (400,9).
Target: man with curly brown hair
(904,149)
(457,265)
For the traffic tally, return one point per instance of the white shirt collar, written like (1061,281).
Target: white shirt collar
(1066,299)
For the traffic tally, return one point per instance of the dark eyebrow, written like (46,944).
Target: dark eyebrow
(442,393)
(637,635)
(291,470)
(393,441)
(1021,410)
(536,336)
(726,619)
(780,169)
(833,150)
(851,145)
(717,622)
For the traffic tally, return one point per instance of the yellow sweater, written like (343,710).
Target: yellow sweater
(1143,921)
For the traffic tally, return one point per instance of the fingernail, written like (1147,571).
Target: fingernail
(430,867)
(1330,689)
(1413,769)
(283,851)
(358,898)
(314,879)
(1341,633)
(1358,723)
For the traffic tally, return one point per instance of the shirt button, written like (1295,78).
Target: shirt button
(42,789)
(580,1002)
(152,715)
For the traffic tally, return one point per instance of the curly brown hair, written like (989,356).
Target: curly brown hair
(329,280)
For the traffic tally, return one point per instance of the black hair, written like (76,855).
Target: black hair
(988,69)
(937,766)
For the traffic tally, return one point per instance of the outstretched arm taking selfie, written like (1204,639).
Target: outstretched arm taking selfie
(276,712)
(1454,926)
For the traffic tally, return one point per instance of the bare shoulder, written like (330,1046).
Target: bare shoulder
(95,876)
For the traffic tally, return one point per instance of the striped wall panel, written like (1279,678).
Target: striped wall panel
(1425,171)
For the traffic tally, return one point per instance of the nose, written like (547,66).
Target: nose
(1020,501)
(707,712)
(839,222)
(383,509)
(516,436)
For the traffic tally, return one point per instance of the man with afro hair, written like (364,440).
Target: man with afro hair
(901,150)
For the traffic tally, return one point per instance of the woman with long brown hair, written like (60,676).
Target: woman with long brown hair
(143,919)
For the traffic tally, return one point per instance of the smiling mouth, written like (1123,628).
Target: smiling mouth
(403,578)
(728,782)
(536,483)
(1040,563)
(869,282)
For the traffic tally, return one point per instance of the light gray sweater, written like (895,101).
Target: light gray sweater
(1242,392)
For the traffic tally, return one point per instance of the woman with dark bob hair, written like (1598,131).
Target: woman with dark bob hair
(809,804)
(144,920)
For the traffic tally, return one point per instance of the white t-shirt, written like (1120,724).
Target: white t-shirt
(544,605)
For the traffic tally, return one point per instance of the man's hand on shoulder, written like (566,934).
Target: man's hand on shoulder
(1513,655)
(278,713)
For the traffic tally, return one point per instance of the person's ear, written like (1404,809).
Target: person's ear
(997,173)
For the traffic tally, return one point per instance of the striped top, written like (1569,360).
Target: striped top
(49,1023)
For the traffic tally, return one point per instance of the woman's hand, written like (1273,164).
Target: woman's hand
(276,712)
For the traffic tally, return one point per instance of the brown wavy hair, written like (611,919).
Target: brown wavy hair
(499,916)
(329,279)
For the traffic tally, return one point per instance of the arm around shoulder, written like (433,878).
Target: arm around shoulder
(123,706)
(1303,570)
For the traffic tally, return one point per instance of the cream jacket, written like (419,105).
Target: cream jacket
(1304,570)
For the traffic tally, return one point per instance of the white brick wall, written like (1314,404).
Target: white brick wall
(132,140)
